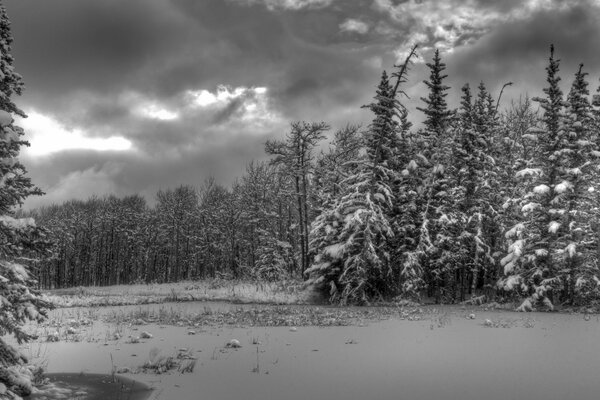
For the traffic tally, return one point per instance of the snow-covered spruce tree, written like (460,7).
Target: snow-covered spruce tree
(350,239)
(438,116)
(432,258)
(485,217)
(514,150)
(405,217)
(473,179)
(530,267)
(576,241)
(19,238)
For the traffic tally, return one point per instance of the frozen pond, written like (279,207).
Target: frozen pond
(78,386)
(443,355)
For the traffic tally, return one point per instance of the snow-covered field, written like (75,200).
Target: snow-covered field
(429,353)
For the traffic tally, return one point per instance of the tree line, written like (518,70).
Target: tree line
(477,202)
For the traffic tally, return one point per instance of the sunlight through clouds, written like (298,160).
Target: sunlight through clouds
(47,136)
(157,112)
(354,25)
(204,98)
(148,108)
(249,104)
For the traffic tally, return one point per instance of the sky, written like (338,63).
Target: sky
(134,96)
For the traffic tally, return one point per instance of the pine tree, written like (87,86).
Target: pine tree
(432,258)
(530,267)
(474,181)
(19,237)
(437,114)
(577,236)
(350,239)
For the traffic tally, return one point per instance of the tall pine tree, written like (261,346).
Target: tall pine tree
(530,267)
(432,256)
(19,237)
(350,240)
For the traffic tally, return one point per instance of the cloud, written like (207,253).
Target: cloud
(78,185)
(518,51)
(290,4)
(197,87)
(354,25)
(448,25)
(47,136)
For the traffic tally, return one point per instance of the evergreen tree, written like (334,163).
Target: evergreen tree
(19,237)
(530,267)
(438,116)
(432,257)
(350,240)
(577,236)
(473,170)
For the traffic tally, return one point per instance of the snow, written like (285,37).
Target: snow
(380,197)
(515,230)
(335,250)
(528,172)
(541,189)
(525,306)
(285,357)
(515,250)
(17,223)
(563,187)
(8,135)
(527,208)
(5,118)
(439,169)
(574,171)
(553,226)
(535,130)
(571,249)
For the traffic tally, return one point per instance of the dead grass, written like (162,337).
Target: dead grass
(248,316)
(290,292)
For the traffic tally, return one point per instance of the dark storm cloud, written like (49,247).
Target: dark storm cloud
(105,66)
(103,49)
(98,46)
(518,51)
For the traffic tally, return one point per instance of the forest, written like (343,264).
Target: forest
(481,202)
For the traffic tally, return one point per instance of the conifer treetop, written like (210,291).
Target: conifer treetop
(436,108)
(10,82)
